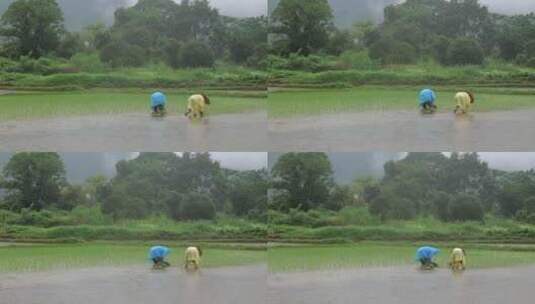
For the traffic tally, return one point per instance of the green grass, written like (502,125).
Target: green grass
(245,231)
(495,74)
(47,104)
(51,257)
(288,103)
(156,76)
(426,229)
(309,258)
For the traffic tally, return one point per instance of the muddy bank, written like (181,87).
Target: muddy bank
(232,285)
(405,131)
(137,132)
(403,285)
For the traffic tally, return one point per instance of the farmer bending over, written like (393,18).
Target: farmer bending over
(158,102)
(427,100)
(157,254)
(193,258)
(425,255)
(458,259)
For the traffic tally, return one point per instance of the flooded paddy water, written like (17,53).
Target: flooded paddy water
(132,285)
(137,132)
(405,131)
(403,285)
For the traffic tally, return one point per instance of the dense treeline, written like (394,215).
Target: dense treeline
(459,187)
(188,34)
(187,187)
(447,32)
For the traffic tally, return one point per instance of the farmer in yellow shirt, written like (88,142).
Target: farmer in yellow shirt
(193,258)
(458,259)
(464,101)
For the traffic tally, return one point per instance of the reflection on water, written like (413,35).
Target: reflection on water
(405,131)
(227,285)
(404,285)
(137,132)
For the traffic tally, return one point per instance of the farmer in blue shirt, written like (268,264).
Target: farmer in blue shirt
(157,254)
(427,100)
(158,101)
(425,256)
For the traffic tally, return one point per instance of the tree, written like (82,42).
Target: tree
(304,24)
(339,42)
(245,37)
(391,51)
(464,51)
(34,180)
(197,206)
(69,45)
(196,54)
(121,54)
(247,192)
(465,207)
(307,177)
(32,27)
(185,34)
(340,197)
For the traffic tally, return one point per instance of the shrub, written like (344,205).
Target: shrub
(530,62)
(89,63)
(43,218)
(356,60)
(464,51)
(82,215)
(195,55)
(466,207)
(357,216)
(121,54)
(197,206)
(294,61)
(392,51)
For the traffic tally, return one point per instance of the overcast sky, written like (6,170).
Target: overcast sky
(80,166)
(241,8)
(241,160)
(510,6)
(236,8)
(348,166)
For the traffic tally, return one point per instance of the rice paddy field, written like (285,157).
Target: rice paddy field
(375,255)
(45,257)
(285,103)
(35,105)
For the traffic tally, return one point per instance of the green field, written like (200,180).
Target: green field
(360,255)
(33,105)
(497,74)
(153,76)
(303,102)
(424,229)
(50,257)
(139,231)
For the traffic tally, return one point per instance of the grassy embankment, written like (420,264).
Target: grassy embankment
(224,77)
(307,102)
(492,231)
(491,75)
(32,105)
(62,256)
(154,229)
(362,255)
